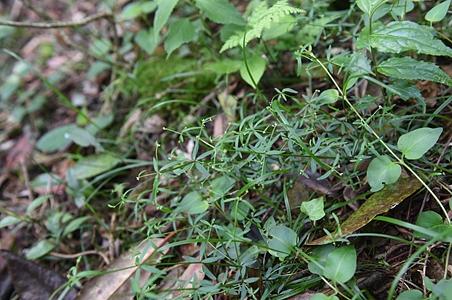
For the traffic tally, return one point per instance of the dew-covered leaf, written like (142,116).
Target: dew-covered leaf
(55,139)
(379,203)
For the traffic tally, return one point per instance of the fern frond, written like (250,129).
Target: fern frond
(262,18)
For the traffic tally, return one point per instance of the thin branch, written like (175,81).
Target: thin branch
(62,24)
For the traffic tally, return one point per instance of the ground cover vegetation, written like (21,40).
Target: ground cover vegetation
(225,149)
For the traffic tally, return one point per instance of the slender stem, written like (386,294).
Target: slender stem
(365,125)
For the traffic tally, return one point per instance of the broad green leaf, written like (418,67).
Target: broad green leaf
(164,10)
(327,97)
(40,249)
(45,181)
(220,11)
(221,185)
(93,165)
(318,258)
(256,66)
(82,138)
(379,203)
(136,9)
(369,6)
(443,289)
(428,219)
(180,32)
(382,171)
(99,123)
(148,40)
(320,296)
(411,295)
(340,264)
(55,139)
(405,90)
(282,242)
(240,210)
(313,208)
(408,68)
(74,224)
(416,143)
(8,221)
(224,66)
(401,8)
(438,12)
(193,203)
(36,203)
(401,36)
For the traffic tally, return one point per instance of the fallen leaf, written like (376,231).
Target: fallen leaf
(220,124)
(105,286)
(378,203)
(21,151)
(32,281)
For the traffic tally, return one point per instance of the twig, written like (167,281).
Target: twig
(62,24)
(72,256)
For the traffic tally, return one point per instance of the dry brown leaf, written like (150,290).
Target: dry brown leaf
(21,151)
(219,125)
(105,286)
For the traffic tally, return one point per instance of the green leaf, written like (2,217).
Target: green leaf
(192,203)
(136,9)
(438,12)
(220,11)
(256,65)
(93,165)
(369,6)
(410,69)
(379,203)
(401,8)
(313,208)
(46,181)
(411,295)
(261,18)
(224,66)
(240,210)
(340,264)
(327,97)
(74,225)
(320,296)
(283,241)
(164,10)
(382,171)
(401,36)
(318,258)
(405,90)
(221,185)
(443,289)
(416,143)
(55,139)
(82,138)
(36,203)
(40,249)
(428,219)
(148,40)
(8,221)
(180,32)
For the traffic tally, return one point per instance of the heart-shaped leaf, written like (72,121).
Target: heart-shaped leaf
(382,171)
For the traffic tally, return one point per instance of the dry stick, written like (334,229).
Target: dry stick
(62,24)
